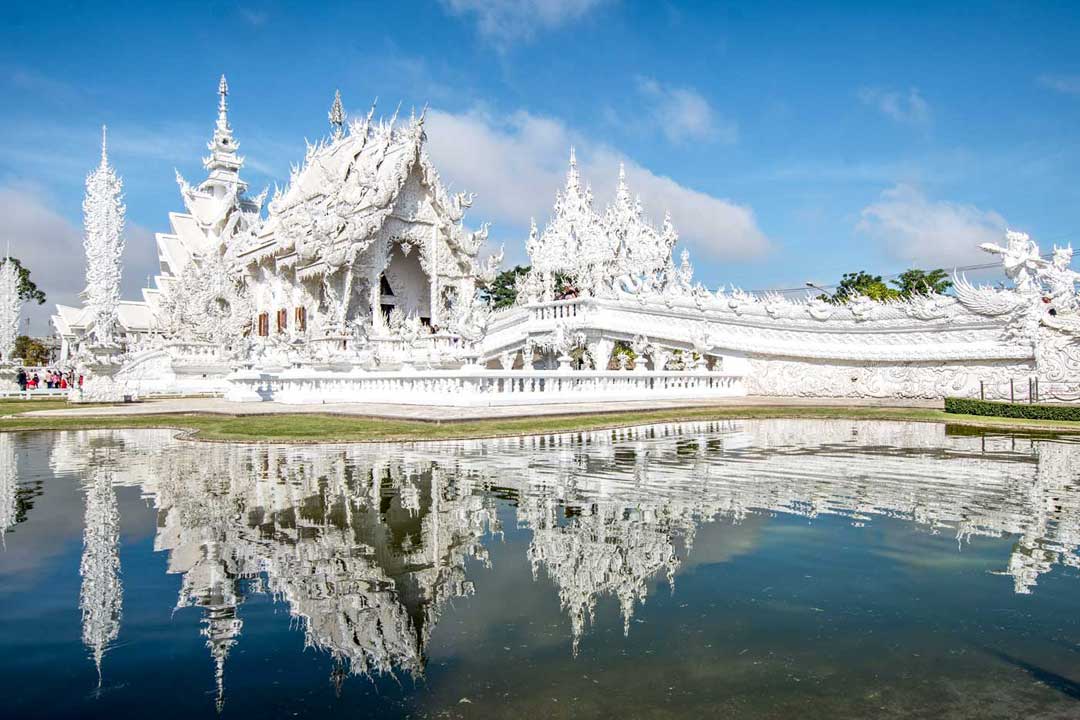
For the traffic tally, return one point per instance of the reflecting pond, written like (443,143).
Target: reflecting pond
(752,569)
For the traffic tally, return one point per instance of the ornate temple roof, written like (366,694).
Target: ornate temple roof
(349,187)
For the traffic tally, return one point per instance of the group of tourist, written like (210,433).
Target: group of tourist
(53,380)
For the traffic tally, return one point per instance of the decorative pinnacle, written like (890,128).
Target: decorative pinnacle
(573,181)
(104,146)
(337,114)
(223,106)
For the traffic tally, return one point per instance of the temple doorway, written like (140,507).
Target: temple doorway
(405,285)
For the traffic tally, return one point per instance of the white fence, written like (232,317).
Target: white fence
(481,387)
(39,394)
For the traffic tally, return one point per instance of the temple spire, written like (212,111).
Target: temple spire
(573,180)
(223,105)
(622,193)
(223,163)
(337,116)
(104,146)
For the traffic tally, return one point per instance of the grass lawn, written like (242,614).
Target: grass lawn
(8,406)
(341,428)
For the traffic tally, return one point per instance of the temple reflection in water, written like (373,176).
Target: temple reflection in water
(366,544)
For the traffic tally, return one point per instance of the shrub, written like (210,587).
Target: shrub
(966,406)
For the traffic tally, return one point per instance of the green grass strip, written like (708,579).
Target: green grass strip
(352,428)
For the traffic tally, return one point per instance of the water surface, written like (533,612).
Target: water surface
(752,569)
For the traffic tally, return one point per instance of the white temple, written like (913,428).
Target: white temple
(358,282)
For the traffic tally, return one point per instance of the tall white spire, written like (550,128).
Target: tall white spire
(223,163)
(573,179)
(103,223)
(223,106)
(10,307)
(622,193)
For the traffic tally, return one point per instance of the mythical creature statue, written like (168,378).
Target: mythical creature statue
(1020,258)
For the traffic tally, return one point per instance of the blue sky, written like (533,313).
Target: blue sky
(791,141)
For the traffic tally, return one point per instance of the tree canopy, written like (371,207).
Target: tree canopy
(502,291)
(908,284)
(922,282)
(31,351)
(27,289)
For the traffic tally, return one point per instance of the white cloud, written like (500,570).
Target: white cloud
(684,114)
(932,234)
(50,245)
(906,108)
(505,20)
(515,167)
(1064,84)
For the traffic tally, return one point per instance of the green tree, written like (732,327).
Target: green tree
(861,283)
(27,289)
(31,351)
(909,283)
(922,282)
(501,292)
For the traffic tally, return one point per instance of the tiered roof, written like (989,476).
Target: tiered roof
(350,187)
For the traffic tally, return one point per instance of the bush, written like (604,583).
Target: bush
(966,406)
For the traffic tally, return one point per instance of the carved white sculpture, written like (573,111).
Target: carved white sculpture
(103,221)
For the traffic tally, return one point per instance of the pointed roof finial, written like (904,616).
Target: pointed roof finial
(337,115)
(223,106)
(573,180)
(104,146)
(622,191)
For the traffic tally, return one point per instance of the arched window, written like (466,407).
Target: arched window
(282,319)
(301,319)
(264,324)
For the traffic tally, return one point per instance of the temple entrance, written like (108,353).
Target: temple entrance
(404,284)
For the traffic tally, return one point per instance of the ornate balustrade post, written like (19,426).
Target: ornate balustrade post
(660,358)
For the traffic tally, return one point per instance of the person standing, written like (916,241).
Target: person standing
(21,379)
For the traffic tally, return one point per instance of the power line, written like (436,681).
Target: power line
(805,288)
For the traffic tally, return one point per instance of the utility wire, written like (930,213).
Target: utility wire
(806,288)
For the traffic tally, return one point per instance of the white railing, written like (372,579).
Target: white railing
(38,394)
(481,387)
(557,310)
